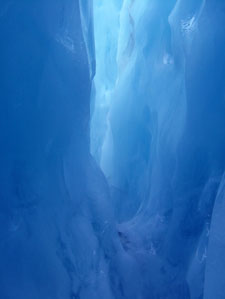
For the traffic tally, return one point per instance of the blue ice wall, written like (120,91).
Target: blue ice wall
(158,134)
(57,232)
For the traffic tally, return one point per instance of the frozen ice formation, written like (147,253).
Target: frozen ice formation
(158,134)
(112,144)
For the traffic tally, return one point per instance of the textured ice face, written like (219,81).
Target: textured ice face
(157,132)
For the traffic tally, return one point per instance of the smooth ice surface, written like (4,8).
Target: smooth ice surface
(57,232)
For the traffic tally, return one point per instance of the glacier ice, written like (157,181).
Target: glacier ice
(157,132)
(112,149)
(58,234)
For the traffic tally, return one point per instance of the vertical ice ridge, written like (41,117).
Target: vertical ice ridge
(86,12)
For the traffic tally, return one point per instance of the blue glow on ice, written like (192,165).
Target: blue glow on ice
(112,142)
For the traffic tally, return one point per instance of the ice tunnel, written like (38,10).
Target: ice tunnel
(112,142)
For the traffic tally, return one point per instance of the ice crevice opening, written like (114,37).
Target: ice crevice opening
(140,215)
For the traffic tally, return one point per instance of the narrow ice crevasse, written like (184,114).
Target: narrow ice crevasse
(128,204)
